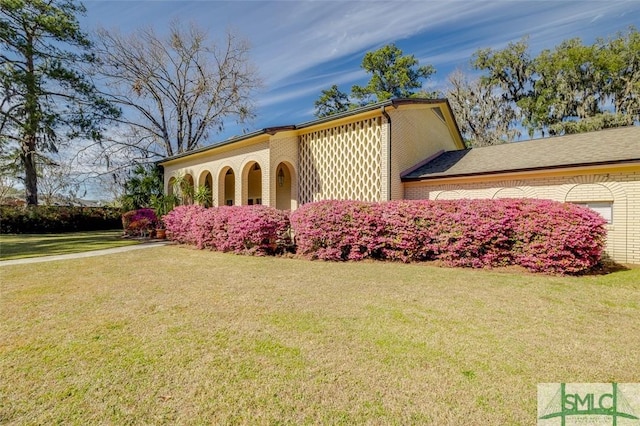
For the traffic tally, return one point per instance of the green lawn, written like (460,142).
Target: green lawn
(26,245)
(172,335)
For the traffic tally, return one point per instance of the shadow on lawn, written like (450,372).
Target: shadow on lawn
(46,245)
(605,267)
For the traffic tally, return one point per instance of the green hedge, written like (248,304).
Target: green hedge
(56,219)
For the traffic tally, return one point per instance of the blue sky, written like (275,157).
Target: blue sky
(302,47)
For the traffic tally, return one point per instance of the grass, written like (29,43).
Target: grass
(26,245)
(171,335)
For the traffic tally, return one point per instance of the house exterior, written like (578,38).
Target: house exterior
(355,155)
(412,149)
(598,169)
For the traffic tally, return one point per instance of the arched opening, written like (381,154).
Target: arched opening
(509,193)
(183,187)
(283,183)
(253,179)
(171,186)
(595,196)
(204,192)
(449,195)
(227,187)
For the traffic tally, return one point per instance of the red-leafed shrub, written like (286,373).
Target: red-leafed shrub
(540,235)
(256,230)
(139,222)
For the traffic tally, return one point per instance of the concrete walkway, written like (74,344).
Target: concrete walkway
(82,254)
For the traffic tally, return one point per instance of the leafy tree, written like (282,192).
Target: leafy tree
(483,116)
(605,120)
(9,163)
(143,187)
(7,190)
(45,93)
(620,58)
(569,83)
(178,88)
(393,75)
(509,72)
(332,101)
(509,69)
(8,181)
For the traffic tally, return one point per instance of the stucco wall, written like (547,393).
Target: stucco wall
(621,188)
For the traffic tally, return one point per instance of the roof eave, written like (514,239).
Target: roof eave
(371,107)
(520,170)
(273,130)
(217,145)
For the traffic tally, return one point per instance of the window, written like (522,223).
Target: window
(605,208)
(229,202)
(437,111)
(258,200)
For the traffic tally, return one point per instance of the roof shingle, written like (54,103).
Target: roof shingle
(601,147)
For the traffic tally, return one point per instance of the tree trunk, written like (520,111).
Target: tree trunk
(28,155)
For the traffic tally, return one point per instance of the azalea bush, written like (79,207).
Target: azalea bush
(255,230)
(180,223)
(541,235)
(558,237)
(337,230)
(140,222)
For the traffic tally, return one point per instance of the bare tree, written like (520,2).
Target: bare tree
(58,181)
(484,117)
(8,189)
(175,90)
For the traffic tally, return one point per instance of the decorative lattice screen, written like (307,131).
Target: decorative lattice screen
(342,163)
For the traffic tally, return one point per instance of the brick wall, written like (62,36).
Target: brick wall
(217,162)
(283,151)
(622,189)
(341,162)
(416,134)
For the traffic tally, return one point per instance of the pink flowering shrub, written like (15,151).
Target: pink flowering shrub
(139,222)
(407,231)
(255,230)
(337,230)
(472,233)
(540,235)
(180,223)
(558,237)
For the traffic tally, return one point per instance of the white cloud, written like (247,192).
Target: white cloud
(302,47)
